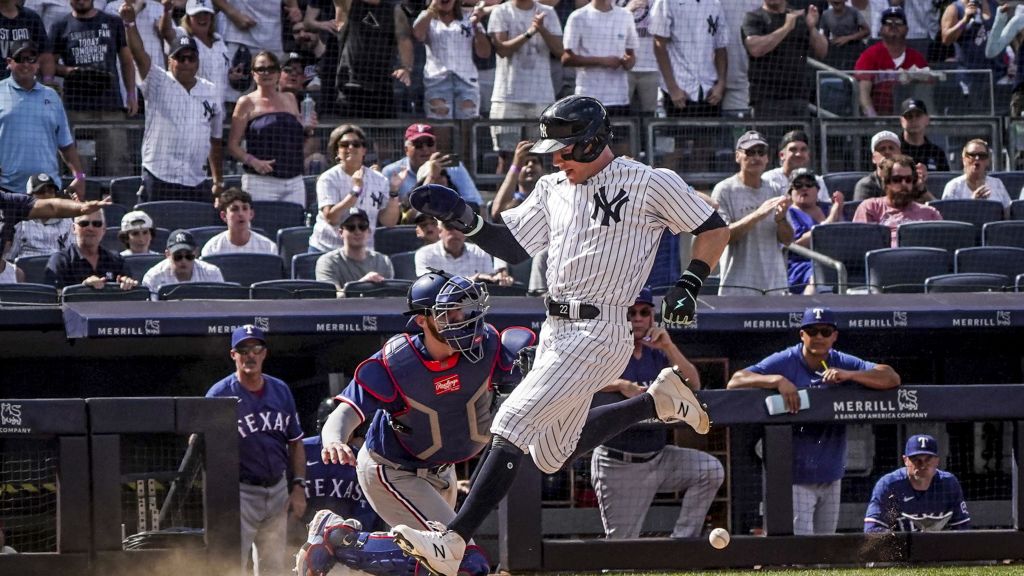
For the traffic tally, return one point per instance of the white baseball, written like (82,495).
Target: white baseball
(719,538)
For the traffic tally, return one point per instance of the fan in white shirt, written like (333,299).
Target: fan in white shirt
(180,264)
(454,256)
(236,210)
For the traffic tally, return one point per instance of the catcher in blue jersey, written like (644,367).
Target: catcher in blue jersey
(430,397)
(918,497)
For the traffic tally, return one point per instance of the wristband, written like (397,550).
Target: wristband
(393,193)
(514,169)
(356,190)
(249,159)
(698,268)
(129,24)
(528,34)
(298,481)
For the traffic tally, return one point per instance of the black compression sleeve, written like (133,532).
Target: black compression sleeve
(714,221)
(499,242)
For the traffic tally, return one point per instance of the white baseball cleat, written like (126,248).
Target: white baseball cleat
(439,550)
(675,402)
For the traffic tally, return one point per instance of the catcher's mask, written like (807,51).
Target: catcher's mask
(458,306)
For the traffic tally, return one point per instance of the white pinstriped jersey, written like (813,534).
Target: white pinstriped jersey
(39,237)
(602,235)
(332,187)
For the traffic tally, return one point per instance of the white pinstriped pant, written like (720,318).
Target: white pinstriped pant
(546,412)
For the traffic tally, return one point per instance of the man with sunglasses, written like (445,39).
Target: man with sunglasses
(898,205)
(756,213)
(272,458)
(819,450)
(180,265)
(34,129)
(420,149)
(879,64)
(86,261)
(629,469)
(184,121)
(354,261)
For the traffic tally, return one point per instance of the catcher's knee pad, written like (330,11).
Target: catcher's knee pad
(375,553)
(474,562)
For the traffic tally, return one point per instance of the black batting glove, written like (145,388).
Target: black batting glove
(679,307)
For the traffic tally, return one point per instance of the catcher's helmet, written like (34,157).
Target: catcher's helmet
(581,121)
(458,306)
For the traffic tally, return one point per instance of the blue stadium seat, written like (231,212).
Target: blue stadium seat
(292,241)
(83,293)
(1005,233)
(27,293)
(247,269)
(992,259)
(842,182)
(361,289)
(304,266)
(174,214)
(948,235)
(113,214)
(33,267)
(273,216)
(139,264)
(125,190)
(977,212)
(937,182)
(292,290)
(966,282)
(1013,181)
(904,270)
(202,234)
(394,239)
(404,264)
(203,291)
(1017,210)
(846,242)
(849,209)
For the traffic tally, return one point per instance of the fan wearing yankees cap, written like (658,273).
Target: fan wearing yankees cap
(184,120)
(918,497)
(180,264)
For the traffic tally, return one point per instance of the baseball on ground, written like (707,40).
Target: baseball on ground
(719,538)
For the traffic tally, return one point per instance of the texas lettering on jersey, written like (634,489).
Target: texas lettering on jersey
(267,421)
(334,488)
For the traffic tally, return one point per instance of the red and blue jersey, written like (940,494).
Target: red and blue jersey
(895,505)
(335,487)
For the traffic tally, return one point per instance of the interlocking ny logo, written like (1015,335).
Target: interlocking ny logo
(611,209)
(712,25)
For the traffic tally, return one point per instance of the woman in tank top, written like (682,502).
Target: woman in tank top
(268,121)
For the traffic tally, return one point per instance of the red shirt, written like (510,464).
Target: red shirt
(878,211)
(877,57)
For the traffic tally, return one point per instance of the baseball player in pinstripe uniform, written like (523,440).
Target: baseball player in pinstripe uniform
(600,218)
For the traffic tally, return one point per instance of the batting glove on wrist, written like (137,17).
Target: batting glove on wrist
(679,307)
(444,204)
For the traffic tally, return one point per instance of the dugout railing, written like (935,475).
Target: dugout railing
(524,546)
(93,475)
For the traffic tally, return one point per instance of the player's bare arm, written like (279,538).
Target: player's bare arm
(881,377)
(336,432)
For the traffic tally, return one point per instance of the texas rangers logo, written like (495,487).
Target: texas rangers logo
(611,209)
(447,384)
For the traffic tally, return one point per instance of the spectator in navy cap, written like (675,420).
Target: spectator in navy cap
(354,261)
(819,450)
(39,236)
(918,497)
(804,214)
(180,265)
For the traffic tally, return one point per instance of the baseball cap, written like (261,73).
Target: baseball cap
(813,316)
(884,136)
(354,212)
(136,220)
(893,12)
(911,104)
(193,7)
(291,57)
(645,296)
(416,131)
(39,181)
(183,42)
(794,136)
(921,444)
(750,139)
(247,332)
(803,173)
(181,240)
(21,46)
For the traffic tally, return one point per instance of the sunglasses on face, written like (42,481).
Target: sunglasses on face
(976,155)
(87,223)
(350,144)
(756,152)
(814,331)
(254,349)
(802,185)
(424,143)
(178,256)
(900,180)
(894,23)
(641,312)
(360,227)
(26,59)
(266,69)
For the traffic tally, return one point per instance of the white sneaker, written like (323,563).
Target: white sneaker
(675,402)
(440,551)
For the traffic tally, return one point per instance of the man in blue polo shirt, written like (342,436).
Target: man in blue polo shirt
(33,126)
(819,450)
(270,445)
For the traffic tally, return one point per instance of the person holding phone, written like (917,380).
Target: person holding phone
(420,149)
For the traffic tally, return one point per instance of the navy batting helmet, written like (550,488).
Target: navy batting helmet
(578,121)
(458,306)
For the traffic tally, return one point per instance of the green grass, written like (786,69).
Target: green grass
(1000,570)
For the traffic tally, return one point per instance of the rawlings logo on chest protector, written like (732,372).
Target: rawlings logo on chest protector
(447,384)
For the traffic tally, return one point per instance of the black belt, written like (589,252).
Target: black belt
(564,310)
(262,482)
(628,457)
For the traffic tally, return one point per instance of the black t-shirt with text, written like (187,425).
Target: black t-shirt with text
(27,25)
(91,44)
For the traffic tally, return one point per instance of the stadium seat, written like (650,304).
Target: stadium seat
(937,182)
(361,289)
(125,191)
(110,240)
(247,269)
(849,209)
(846,242)
(202,234)
(394,239)
(948,235)
(304,266)
(203,291)
(273,216)
(1005,233)
(521,272)
(292,290)
(139,264)
(966,282)
(1012,181)
(1017,210)
(903,270)
(113,214)
(843,182)
(27,293)
(292,241)
(977,212)
(404,264)
(33,267)
(1019,283)
(174,214)
(992,259)
(83,293)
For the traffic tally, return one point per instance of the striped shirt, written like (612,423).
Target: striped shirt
(473,260)
(602,235)
(332,187)
(8,274)
(214,61)
(695,31)
(39,237)
(450,48)
(221,244)
(163,274)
